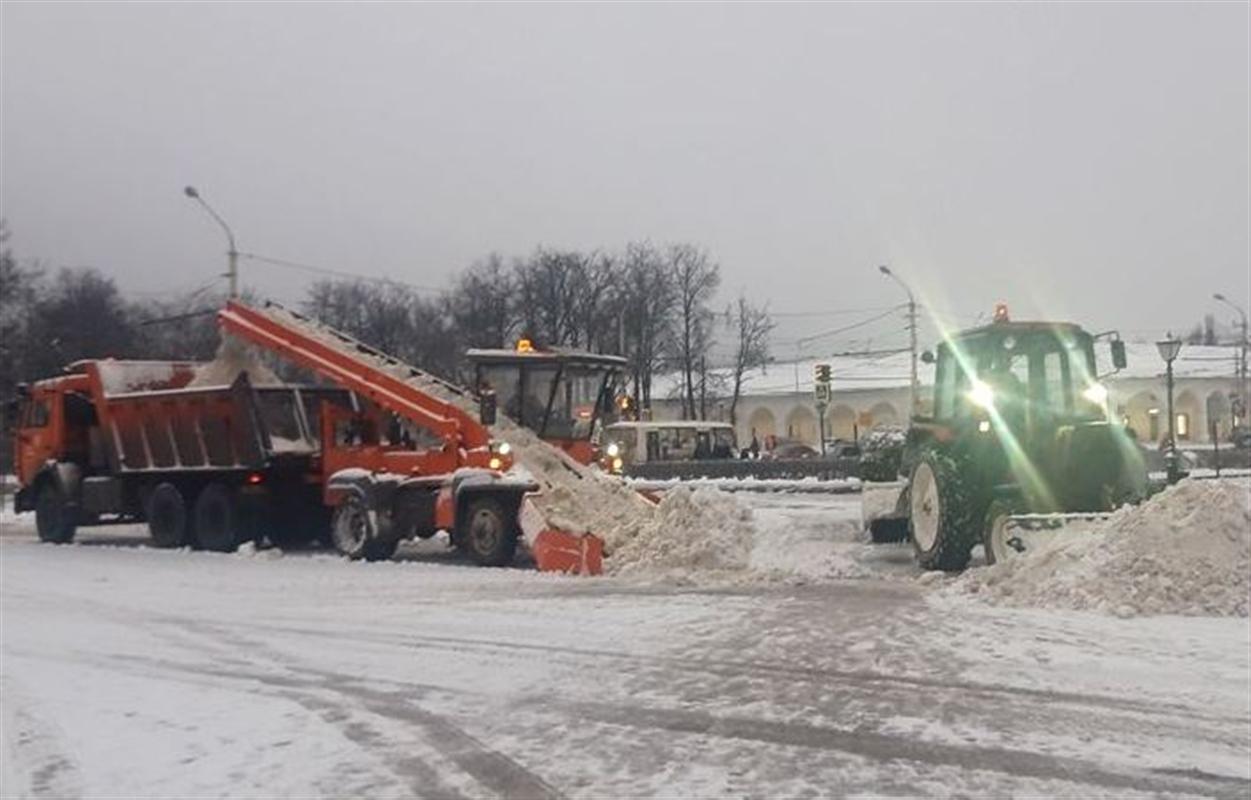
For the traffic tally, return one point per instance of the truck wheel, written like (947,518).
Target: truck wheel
(352,528)
(995,534)
(942,521)
(217,519)
(487,533)
(167,516)
(55,519)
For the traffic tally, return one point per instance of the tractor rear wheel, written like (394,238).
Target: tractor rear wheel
(217,518)
(487,533)
(167,516)
(55,518)
(942,519)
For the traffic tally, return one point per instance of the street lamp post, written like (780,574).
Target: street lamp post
(1169,347)
(232,255)
(1242,356)
(912,333)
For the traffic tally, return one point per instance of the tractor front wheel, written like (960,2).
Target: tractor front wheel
(997,540)
(942,518)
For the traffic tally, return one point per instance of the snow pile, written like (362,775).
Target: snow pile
(700,529)
(1186,551)
(233,356)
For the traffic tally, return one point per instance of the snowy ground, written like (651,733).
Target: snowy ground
(133,672)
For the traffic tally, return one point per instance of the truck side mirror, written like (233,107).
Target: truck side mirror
(928,357)
(486,407)
(1118,353)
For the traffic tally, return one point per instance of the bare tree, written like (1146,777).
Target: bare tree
(81,315)
(646,302)
(18,290)
(751,326)
(481,304)
(695,281)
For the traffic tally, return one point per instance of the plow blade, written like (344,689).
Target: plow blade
(1018,534)
(558,550)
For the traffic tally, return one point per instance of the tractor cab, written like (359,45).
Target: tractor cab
(1020,377)
(563,395)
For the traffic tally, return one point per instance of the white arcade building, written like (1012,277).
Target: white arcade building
(868,391)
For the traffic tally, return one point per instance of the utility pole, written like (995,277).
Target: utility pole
(232,255)
(1241,368)
(914,392)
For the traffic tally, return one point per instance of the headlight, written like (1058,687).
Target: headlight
(495,462)
(982,395)
(501,448)
(613,450)
(1096,393)
(616,465)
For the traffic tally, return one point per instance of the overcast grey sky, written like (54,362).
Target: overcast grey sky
(1078,161)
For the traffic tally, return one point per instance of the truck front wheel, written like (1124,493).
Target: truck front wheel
(217,518)
(487,533)
(167,516)
(55,519)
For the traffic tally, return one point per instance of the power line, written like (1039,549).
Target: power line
(338,273)
(851,327)
(830,313)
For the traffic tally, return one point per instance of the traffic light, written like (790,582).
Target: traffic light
(823,373)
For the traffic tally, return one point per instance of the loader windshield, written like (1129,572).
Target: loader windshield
(559,395)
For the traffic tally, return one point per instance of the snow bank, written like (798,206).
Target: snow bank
(1186,551)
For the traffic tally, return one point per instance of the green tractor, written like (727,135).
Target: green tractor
(1018,443)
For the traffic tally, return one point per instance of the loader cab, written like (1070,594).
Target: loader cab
(563,395)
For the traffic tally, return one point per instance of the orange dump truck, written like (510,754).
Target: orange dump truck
(209,466)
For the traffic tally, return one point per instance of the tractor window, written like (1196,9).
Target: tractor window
(945,386)
(1058,398)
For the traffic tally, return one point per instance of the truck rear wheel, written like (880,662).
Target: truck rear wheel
(55,518)
(487,533)
(217,519)
(942,520)
(167,516)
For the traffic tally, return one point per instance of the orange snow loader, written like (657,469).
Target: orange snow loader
(413,455)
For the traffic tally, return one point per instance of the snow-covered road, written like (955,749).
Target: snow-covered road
(133,672)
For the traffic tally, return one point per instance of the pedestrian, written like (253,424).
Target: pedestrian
(755,445)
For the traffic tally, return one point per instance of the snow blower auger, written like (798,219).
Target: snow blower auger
(1017,445)
(414,454)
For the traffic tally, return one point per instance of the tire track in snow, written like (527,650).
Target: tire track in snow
(885,747)
(35,753)
(487,766)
